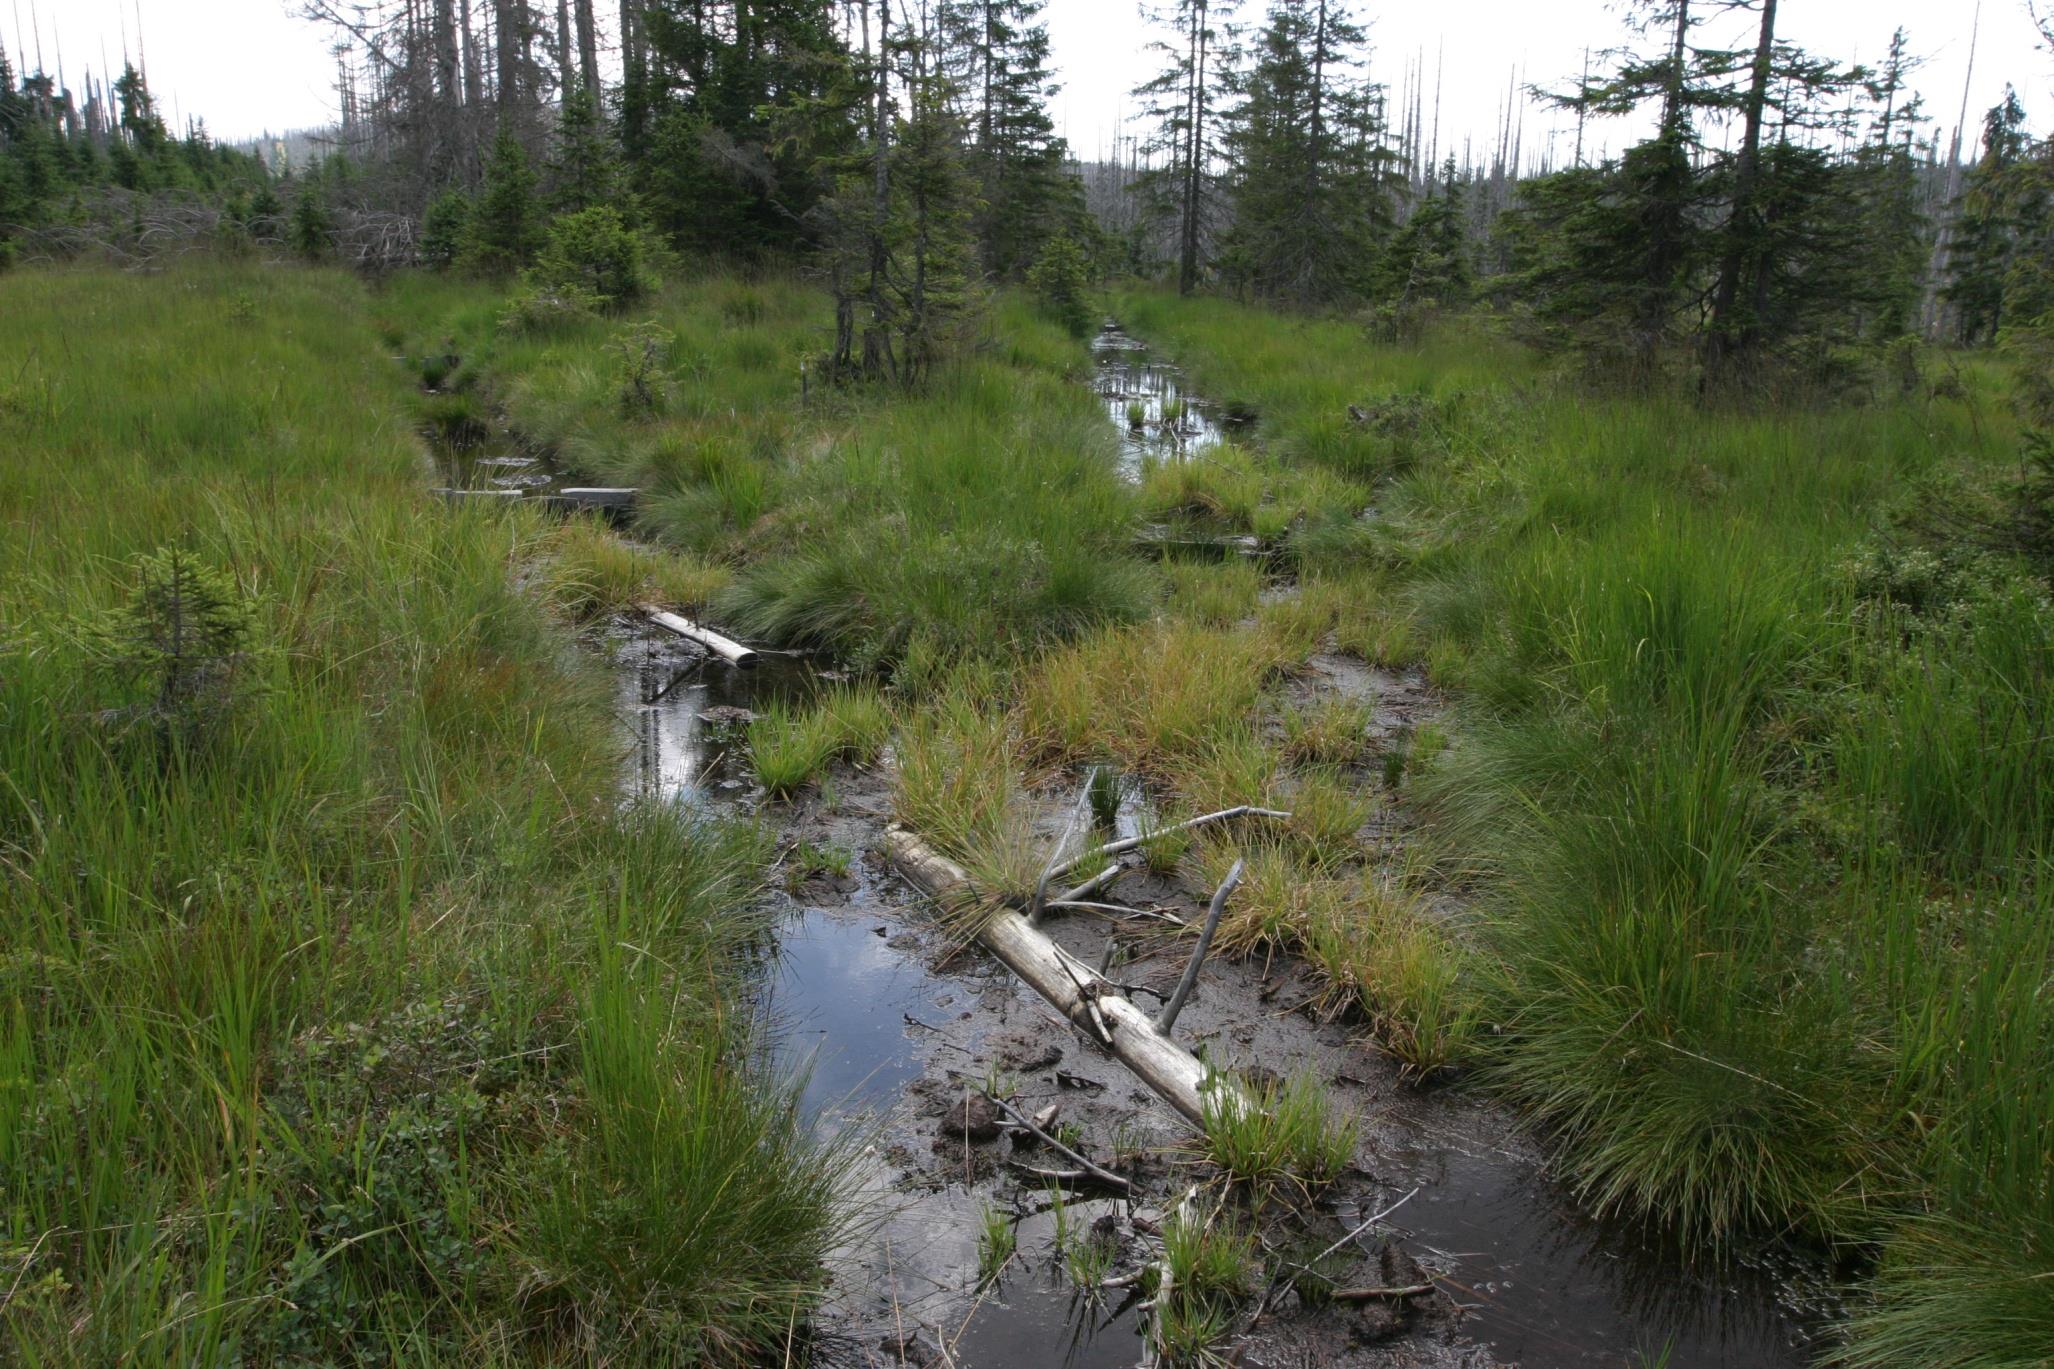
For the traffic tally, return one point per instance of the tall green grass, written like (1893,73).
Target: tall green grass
(981,514)
(303,1018)
(1762,847)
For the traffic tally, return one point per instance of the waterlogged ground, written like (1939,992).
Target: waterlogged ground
(1145,397)
(893,1026)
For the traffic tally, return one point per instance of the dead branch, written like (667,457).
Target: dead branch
(1114,848)
(1168,1016)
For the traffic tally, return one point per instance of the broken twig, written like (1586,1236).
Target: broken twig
(1096,1170)
(1168,1017)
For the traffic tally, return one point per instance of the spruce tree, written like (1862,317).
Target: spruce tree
(1308,188)
(1182,106)
(583,168)
(1887,172)
(504,229)
(732,116)
(995,55)
(1427,262)
(1986,224)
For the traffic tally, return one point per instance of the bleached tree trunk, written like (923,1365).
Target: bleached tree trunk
(508,22)
(566,73)
(588,49)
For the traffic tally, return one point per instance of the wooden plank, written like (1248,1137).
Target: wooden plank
(462,496)
(606,499)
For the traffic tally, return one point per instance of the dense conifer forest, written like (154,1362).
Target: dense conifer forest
(1557,649)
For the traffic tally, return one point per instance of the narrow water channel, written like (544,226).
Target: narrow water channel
(1148,404)
(881,1026)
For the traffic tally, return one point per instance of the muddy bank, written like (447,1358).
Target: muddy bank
(895,1030)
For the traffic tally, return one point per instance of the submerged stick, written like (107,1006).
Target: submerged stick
(1055,853)
(1168,1018)
(1114,848)
(725,647)
(1365,1294)
(1095,1170)
(1089,886)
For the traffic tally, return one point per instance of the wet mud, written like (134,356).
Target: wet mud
(893,1028)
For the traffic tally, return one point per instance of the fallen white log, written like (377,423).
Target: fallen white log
(613,499)
(1166,1067)
(460,496)
(725,647)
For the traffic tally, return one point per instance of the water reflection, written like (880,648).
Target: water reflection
(1156,417)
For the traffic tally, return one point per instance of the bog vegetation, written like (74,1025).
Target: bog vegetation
(349,1014)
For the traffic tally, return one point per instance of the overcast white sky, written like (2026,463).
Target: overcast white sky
(246,66)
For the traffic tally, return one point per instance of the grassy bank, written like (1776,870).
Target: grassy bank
(982,513)
(1751,779)
(347,1016)
(1746,793)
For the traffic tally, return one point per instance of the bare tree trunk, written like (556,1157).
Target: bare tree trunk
(447,85)
(474,75)
(565,73)
(1194,152)
(506,34)
(877,355)
(1743,249)
(588,49)
(634,78)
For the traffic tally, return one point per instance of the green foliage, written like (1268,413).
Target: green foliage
(790,746)
(641,354)
(997,54)
(537,309)
(584,169)
(1426,265)
(899,325)
(1283,1134)
(311,231)
(996,1243)
(734,159)
(504,231)
(688,1214)
(1061,280)
(445,229)
(1308,180)
(1210,1260)
(185,641)
(329,1050)
(596,252)
(2003,207)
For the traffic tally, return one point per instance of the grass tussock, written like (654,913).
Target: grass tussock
(1405,975)
(1153,696)
(1750,779)
(790,745)
(587,572)
(320,1040)
(960,785)
(1209,1260)
(1284,1134)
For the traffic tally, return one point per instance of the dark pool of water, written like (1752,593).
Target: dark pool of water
(689,710)
(1542,1283)
(847,1008)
